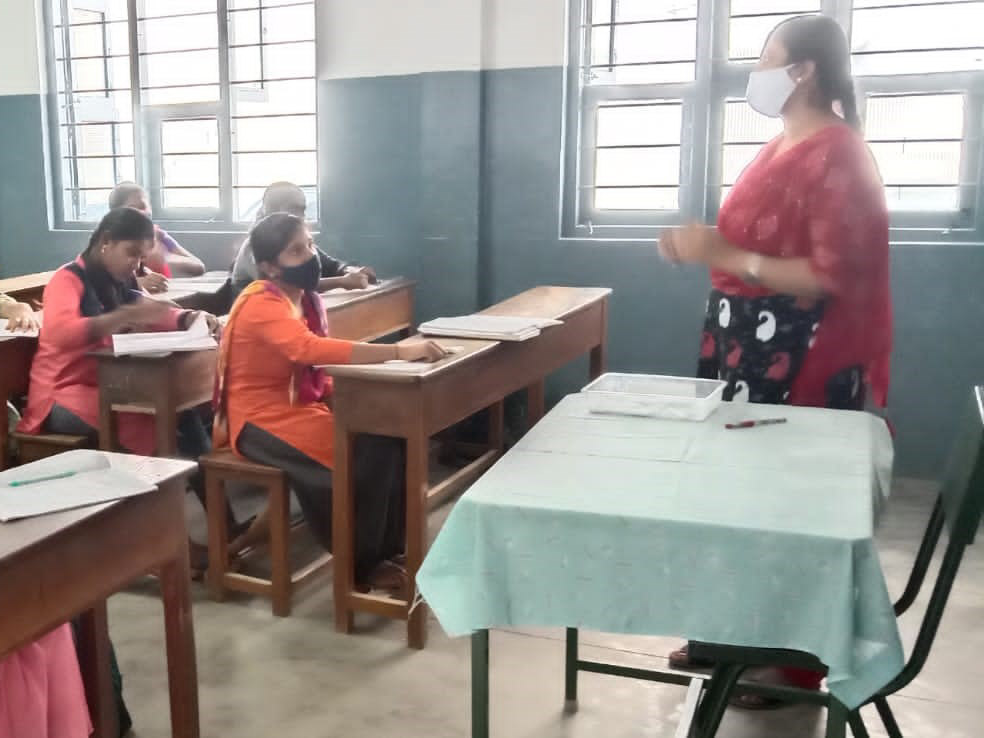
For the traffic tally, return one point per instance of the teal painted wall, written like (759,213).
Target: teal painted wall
(454,179)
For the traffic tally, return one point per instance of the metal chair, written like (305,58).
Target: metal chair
(958,509)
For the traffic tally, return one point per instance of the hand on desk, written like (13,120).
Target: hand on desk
(20,317)
(354,281)
(429,351)
(137,315)
(366,270)
(153,282)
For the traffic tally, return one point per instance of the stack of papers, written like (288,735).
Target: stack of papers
(488,327)
(6,334)
(63,482)
(196,338)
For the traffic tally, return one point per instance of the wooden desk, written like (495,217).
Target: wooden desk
(16,355)
(415,403)
(58,566)
(365,315)
(162,385)
(27,287)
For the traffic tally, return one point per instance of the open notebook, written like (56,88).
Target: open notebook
(489,327)
(196,338)
(63,482)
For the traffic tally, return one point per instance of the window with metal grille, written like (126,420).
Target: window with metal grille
(661,132)
(204,102)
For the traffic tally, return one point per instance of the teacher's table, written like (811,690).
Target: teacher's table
(759,537)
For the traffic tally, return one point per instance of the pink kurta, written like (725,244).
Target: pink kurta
(41,693)
(63,372)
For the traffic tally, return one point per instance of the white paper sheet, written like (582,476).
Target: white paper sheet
(93,480)
(491,327)
(196,338)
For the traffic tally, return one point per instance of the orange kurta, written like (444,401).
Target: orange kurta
(264,343)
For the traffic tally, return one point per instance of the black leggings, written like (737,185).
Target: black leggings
(379,475)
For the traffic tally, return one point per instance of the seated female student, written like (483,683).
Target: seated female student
(286,197)
(19,316)
(168,258)
(85,303)
(270,401)
(41,692)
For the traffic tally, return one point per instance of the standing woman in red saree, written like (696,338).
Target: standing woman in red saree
(800,306)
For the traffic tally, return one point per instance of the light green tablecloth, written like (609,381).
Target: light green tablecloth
(756,537)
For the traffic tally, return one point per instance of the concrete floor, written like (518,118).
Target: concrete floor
(261,676)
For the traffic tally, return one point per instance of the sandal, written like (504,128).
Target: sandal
(390,578)
(681,659)
(757,702)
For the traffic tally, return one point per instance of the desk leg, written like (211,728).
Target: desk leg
(535,394)
(94,657)
(342,522)
(417,466)
(480,683)
(166,421)
(570,672)
(497,422)
(179,629)
(599,354)
(836,719)
(108,426)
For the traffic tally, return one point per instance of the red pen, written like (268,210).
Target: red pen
(754,423)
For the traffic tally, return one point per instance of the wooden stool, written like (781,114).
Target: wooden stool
(34,446)
(224,466)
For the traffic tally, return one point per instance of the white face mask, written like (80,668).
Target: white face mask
(769,90)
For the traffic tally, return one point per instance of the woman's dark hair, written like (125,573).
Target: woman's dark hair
(278,197)
(820,39)
(121,224)
(272,234)
(122,193)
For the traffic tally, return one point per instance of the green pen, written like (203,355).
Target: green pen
(25,482)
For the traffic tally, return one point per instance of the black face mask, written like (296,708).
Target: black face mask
(306,275)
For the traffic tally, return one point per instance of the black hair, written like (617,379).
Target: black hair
(272,234)
(121,224)
(277,197)
(820,39)
(122,193)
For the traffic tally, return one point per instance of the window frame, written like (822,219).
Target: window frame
(718,80)
(147,119)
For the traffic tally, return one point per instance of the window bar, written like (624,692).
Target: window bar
(262,49)
(136,117)
(73,145)
(611,36)
(225,113)
(112,127)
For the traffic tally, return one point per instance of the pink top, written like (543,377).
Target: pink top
(41,693)
(63,371)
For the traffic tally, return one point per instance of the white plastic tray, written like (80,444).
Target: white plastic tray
(653,395)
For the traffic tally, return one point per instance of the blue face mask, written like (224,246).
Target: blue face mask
(306,275)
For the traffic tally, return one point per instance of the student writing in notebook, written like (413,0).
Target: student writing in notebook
(85,303)
(286,197)
(167,258)
(19,316)
(271,400)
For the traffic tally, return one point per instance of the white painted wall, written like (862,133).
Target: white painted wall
(20,62)
(363,38)
(368,38)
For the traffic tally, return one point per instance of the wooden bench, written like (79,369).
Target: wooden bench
(223,466)
(16,356)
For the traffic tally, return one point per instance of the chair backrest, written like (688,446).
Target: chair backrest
(962,491)
(959,508)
